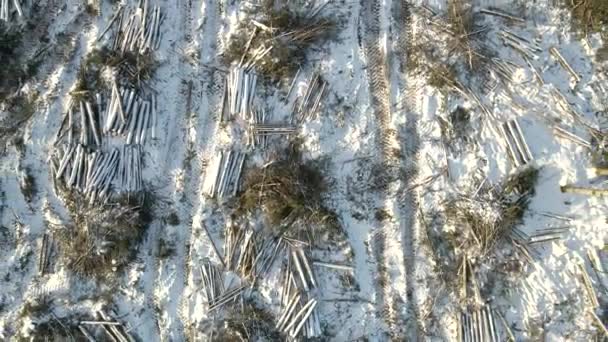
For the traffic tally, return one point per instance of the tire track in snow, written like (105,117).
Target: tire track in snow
(408,141)
(203,128)
(384,238)
(171,275)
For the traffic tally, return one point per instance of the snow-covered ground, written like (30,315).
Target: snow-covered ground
(378,126)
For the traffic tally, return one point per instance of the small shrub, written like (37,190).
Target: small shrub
(92,9)
(441,77)
(481,224)
(39,306)
(172,219)
(382,215)
(27,185)
(166,249)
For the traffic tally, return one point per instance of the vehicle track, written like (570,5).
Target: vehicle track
(201,131)
(409,144)
(379,87)
(171,273)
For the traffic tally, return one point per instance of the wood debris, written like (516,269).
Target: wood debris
(223,174)
(584,190)
(527,48)
(306,106)
(564,134)
(213,282)
(239,92)
(591,295)
(478,325)
(137,29)
(564,63)
(8,7)
(46,250)
(516,143)
(501,14)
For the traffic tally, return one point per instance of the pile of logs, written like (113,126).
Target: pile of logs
(46,249)
(87,124)
(6,10)
(298,314)
(516,143)
(308,105)
(136,30)
(260,129)
(239,92)
(112,328)
(562,61)
(240,250)
(93,172)
(478,325)
(128,113)
(224,173)
(213,282)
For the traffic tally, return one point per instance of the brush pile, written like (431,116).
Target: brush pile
(482,223)
(275,41)
(290,194)
(99,241)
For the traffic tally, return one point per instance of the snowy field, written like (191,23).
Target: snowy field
(406,129)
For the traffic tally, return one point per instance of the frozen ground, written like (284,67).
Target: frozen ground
(378,126)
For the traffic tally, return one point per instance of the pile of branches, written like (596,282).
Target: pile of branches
(249,323)
(588,16)
(101,240)
(290,192)
(275,42)
(11,72)
(482,223)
